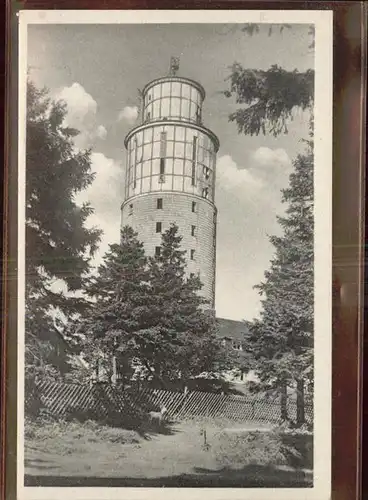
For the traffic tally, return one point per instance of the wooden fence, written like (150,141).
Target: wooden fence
(104,400)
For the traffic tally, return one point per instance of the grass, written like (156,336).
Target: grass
(65,434)
(226,454)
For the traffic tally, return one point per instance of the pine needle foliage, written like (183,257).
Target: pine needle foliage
(59,246)
(281,341)
(148,313)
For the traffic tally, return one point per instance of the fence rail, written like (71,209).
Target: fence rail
(104,401)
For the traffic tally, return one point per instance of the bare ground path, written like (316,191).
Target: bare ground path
(177,457)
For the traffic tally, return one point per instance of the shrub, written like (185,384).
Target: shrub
(305,429)
(238,449)
(65,434)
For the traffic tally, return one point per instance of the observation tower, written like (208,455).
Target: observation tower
(171,173)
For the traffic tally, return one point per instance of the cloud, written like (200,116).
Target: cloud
(229,176)
(270,157)
(272,167)
(101,132)
(82,115)
(248,199)
(129,114)
(105,195)
(265,169)
(83,107)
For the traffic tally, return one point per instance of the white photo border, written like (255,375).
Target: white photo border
(322,20)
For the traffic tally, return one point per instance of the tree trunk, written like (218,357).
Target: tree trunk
(98,370)
(114,376)
(156,373)
(300,410)
(283,401)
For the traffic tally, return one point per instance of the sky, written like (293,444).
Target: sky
(98,69)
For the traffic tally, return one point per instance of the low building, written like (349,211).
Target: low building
(232,333)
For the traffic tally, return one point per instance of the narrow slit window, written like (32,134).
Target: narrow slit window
(162,156)
(131,209)
(158,227)
(194,206)
(162,166)
(194,160)
(193,230)
(157,251)
(206,173)
(205,193)
(159,203)
(192,253)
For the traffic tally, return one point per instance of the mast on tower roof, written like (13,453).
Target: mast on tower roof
(174,65)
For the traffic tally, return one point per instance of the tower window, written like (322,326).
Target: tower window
(157,251)
(192,252)
(149,97)
(158,227)
(159,203)
(163,144)
(162,156)
(194,159)
(206,173)
(194,206)
(131,209)
(193,230)
(162,170)
(205,193)
(148,115)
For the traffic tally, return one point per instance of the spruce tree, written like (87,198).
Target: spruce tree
(269,98)
(282,339)
(146,313)
(58,244)
(178,339)
(114,319)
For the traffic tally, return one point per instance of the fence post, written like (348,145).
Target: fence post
(98,370)
(300,403)
(283,402)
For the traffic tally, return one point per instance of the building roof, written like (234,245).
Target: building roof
(228,328)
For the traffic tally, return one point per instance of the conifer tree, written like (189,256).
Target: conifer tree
(147,313)
(282,339)
(178,339)
(58,244)
(114,319)
(268,98)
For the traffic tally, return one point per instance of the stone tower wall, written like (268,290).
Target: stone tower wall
(197,228)
(171,157)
